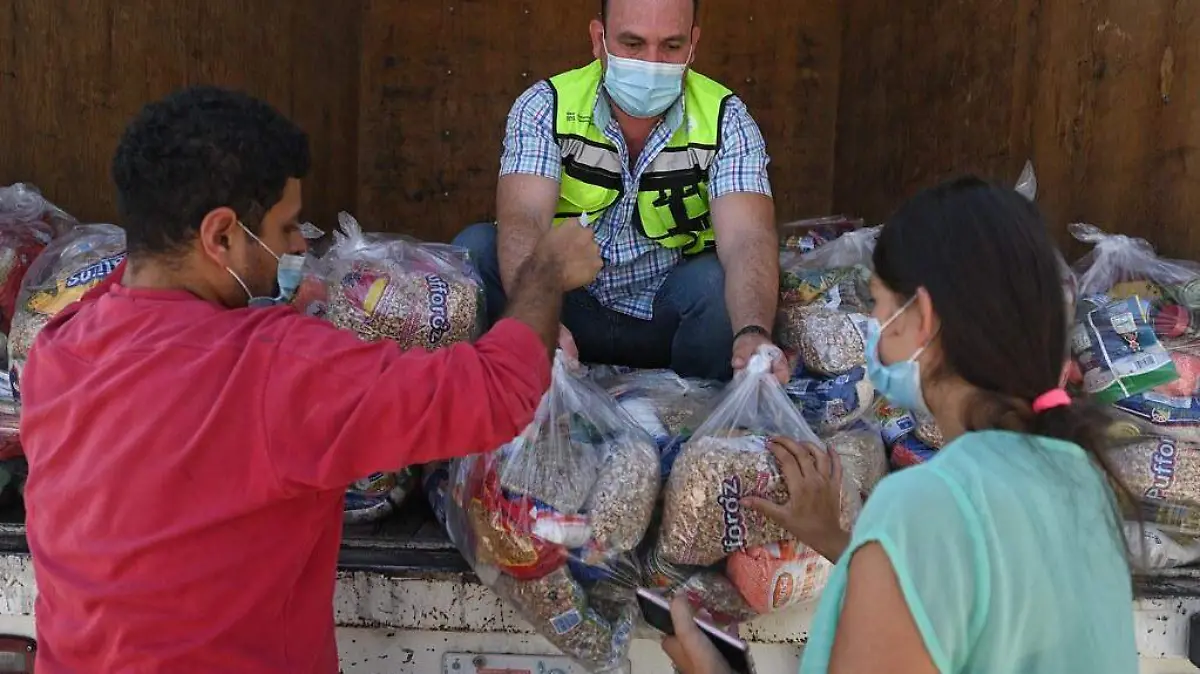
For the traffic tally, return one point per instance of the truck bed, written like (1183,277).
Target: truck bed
(409,543)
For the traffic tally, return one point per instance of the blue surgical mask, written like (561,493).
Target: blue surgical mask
(288,276)
(642,89)
(899,382)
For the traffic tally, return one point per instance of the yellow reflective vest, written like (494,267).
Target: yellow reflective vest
(673,192)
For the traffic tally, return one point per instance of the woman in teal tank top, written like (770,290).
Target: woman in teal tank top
(1003,553)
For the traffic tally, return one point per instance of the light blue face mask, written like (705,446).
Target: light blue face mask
(899,382)
(287,276)
(642,89)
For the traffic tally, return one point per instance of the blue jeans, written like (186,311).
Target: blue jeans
(689,333)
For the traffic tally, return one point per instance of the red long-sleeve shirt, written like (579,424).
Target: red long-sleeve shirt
(188,464)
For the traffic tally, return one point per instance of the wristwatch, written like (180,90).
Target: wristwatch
(752,330)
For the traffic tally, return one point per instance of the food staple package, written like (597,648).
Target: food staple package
(1155,549)
(902,432)
(805,236)
(667,406)
(551,518)
(863,455)
(70,266)
(1164,475)
(386,287)
(727,459)
(831,403)
(28,222)
(376,496)
(1135,309)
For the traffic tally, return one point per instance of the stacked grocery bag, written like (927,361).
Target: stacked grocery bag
(47,261)
(630,479)
(1136,346)
(382,286)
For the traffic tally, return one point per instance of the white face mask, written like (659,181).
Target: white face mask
(288,275)
(643,89)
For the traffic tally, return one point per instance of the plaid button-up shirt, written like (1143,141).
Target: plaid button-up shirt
(634,266)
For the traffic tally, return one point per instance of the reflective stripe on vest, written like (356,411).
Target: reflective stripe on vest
(673,191)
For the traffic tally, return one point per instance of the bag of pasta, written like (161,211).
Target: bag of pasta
(70,266)
(383,286)
(548,519)
(727,459)
(667,406)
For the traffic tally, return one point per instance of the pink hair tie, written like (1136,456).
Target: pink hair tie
(1050,399)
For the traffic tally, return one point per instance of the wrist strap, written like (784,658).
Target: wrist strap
(753,330)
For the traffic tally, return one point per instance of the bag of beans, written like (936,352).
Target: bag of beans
(1163,473)
(69,267)
(727,459)
(383,286)
(555,515)
(667,406)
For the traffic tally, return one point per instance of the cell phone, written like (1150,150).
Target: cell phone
(657,613)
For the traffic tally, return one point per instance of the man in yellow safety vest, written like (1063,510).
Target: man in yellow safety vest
(669,169)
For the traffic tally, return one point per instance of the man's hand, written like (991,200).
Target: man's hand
(564,259)
(566,342)
(572,248)
(689,648)
(745,346)
(813,510)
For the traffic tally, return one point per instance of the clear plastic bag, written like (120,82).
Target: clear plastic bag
(557,512)
(667,406)
(70,266)
(1137,312)
(28,222)
(1155,549)
(824,299)
(727,459)
(805,236)
(863,455)
(382,286)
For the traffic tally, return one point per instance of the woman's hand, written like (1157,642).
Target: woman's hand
(689,648)
(813,510)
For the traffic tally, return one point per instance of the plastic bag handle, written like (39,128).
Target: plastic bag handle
(763,358)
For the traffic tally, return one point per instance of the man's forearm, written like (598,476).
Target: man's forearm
(515,245)
(535,297)
(751,279)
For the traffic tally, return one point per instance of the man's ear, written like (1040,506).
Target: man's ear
(596,31)
(217,231)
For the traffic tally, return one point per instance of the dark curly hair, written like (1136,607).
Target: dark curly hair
(695,11)
(196,150)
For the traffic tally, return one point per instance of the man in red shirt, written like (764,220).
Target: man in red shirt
(189,453)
